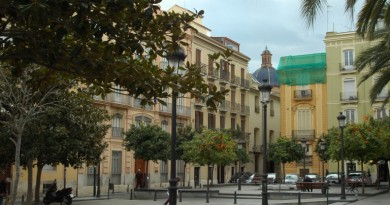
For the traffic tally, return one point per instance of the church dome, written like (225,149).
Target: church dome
(266,71)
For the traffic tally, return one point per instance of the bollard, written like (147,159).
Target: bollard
(22,199)
(207,196)
(327,195)
(235,197)
(108,190)
(155,195)
(299,198)
(180,196)
(131,194)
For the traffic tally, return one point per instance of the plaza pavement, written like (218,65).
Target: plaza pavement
(372,196)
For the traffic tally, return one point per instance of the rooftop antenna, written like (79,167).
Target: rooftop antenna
(327,16)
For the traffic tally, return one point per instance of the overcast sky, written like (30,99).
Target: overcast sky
(277,24)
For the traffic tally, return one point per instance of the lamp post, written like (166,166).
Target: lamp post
(323,147)
(304,146)
(265,92)
(239,147)
(341,118)
(175,59)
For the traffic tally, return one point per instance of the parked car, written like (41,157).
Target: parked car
(255,178)
(244,176)
(292,179)
(357,176)
(313,177)
(272,178)
(333,178)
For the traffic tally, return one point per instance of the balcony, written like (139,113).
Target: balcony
(199,102)
(245,110)
(137,103)
(244,84)
(257,149)
(212,74)
(223,77)
(302,94)
(349,97)
(234,81)
(203,70)
(347,68)
(183,110)
(224,106)
(234,108)
(117,132)
(307,134)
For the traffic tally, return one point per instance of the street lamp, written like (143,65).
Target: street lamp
(341,118)
(175,60)
(304,146)
(239,147)
(323,147)
(265,92)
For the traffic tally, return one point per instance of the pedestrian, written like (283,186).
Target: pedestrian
(4,190)
(308,187)
(138,177)
(168,200)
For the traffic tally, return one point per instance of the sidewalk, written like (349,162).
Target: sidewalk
(371,196)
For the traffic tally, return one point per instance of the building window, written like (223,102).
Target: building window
(198,120)
(222,122)
(348,59)
(90,172)
(233,123)
(350,115)
(48,167)
(116,169)
(304,119)
(257,104)
(349,89)
(198,61)
(142,120)
(164,126)
(180,170)
(211,121)
(117,129)
(164,171)
(381,113)
(385,92)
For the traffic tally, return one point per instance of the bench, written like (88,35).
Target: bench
(311,185)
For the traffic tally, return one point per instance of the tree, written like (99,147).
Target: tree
(373,24)
(69,134)
(20,104)
(285,150)
(210,147)
(184,135)
(101,43)
(149,142)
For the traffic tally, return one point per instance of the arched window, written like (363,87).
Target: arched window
(142,120)
(164,125)
(117,129)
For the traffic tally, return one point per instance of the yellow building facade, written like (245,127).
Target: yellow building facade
(303,106)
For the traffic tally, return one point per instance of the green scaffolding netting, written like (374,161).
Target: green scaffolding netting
(302,69)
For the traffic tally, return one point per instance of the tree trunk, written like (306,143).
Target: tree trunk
(38,182)
(284,174)
(17,164)
(364,176)
(146,175)
(208,177)
(29,180)
(184,175)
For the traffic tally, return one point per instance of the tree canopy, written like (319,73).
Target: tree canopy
(101,43)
